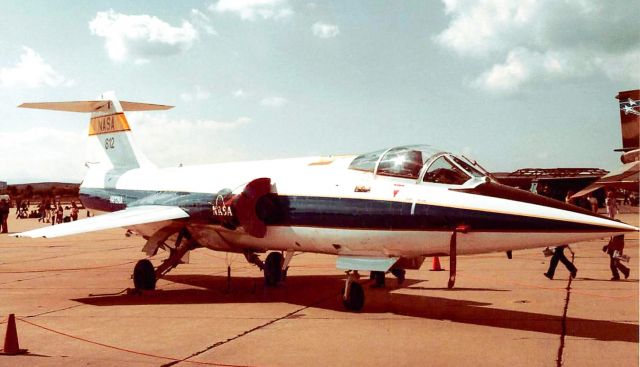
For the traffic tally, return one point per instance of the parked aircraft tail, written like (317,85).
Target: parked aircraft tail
(630,118)
(111,144)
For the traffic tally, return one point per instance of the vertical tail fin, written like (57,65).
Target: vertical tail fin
(111,144)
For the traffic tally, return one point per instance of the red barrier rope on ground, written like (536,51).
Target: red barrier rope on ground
(63,269)
(128,350)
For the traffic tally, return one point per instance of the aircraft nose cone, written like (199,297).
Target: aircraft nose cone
(553,214)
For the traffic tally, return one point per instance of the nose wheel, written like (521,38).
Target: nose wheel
(353,296)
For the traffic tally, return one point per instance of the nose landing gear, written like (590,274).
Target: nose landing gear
(353,296)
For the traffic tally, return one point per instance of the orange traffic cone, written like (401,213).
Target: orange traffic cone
(11,345)
(436,264)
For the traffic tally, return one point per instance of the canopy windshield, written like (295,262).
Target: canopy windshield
(414,162)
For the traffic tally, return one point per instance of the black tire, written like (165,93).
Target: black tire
(355,300)
(144,275)
(273,269)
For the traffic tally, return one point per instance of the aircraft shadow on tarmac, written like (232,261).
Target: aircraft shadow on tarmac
(324,292)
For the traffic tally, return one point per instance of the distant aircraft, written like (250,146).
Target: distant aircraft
(627,176)
(383,211)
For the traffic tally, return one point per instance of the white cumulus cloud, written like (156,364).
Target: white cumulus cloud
(198,94)
(203,21)
(43,154)
(192,141)
(324,30)
(48,154)
(273,102)
(141,37)
(252,9)
(239,93)
(523,66)
(31,71)
(531,41)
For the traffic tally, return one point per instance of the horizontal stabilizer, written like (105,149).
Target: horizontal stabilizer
(138,106)
(123,218)
(94,106)
(625,177)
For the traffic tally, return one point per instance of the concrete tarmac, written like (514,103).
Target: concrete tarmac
(500,313)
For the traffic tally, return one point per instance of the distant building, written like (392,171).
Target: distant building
(3,187)
(552,182)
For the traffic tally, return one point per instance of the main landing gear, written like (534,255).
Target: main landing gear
(378,277)
(274,267)
(145,276)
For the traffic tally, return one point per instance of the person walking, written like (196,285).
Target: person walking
(568,199)
(593,202)
(614,249)
(42,211)
(59,213)
(74,211)
(558,256)
(52,213)
(612,205)
(4,215)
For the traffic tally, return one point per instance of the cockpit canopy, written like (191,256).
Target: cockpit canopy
(417,162)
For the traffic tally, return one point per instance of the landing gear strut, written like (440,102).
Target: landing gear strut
(453,255)
(399,273)
(353,296)
(145,276)
(378,279)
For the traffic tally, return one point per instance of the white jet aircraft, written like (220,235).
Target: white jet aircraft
(383,211)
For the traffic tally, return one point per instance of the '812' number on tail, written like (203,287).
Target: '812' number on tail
(109,143)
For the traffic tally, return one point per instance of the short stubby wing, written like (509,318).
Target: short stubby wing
(122,218)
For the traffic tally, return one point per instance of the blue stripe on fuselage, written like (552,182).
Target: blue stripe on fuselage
(334,212)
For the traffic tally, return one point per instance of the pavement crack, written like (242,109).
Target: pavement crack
(259,327)
(53,311)
(563,323)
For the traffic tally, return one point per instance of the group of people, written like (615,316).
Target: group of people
(610,203)
(47,212)
(614,248)
(54,213)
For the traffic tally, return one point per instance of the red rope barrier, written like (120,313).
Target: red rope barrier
(127,350)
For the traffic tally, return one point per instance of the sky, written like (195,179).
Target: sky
(512,84)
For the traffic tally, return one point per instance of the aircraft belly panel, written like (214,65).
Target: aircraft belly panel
(483,242)
(354,242)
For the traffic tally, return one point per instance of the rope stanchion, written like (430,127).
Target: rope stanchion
(128,350)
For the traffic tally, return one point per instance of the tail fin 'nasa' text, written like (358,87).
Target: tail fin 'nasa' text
(111,144)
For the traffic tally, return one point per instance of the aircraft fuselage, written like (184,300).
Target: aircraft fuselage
(319,205)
